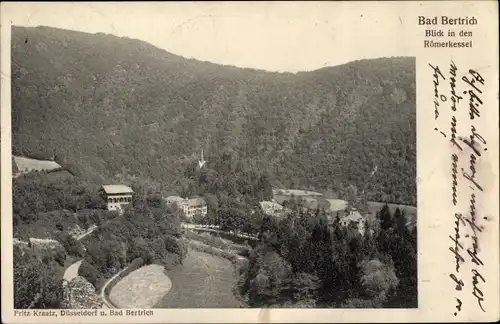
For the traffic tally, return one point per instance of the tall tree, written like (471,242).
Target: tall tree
(378,279)
(384,215)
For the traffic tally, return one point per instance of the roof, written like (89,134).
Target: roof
(117,189)
(266,204)
(196,201)
(354,216)
(270,205)
(174,199)
(310,203)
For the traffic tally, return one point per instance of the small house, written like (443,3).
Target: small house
(354,221)
(271,208)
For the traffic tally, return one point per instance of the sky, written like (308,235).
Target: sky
(284,36)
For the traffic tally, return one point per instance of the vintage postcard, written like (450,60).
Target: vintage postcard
(271,162)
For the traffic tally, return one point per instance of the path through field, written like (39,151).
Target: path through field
(202,281)
(72,271)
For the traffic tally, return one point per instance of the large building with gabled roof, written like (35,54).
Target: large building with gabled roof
(117,196)
(189,206)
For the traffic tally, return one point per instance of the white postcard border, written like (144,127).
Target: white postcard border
(435,221)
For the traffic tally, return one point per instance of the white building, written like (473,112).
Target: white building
(354,220)
(188,206)
(271,207)
(196,206)
(117,196)
(180,202)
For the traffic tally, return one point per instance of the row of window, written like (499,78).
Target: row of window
(198,210)
(121,199)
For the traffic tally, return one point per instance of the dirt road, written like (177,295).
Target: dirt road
(72,271)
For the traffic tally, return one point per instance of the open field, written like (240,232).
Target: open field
(295,192)
(334,205)
(410,211)
(202,281)
(311,201)
(142,288)
(26,164)
(337,204)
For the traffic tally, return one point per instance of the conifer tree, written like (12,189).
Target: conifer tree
(385,218)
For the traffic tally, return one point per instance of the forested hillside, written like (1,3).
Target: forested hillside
(342,268)
(52,210)
(109,107)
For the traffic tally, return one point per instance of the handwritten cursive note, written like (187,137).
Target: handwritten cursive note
(452,94)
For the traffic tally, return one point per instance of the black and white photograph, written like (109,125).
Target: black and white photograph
(211,161)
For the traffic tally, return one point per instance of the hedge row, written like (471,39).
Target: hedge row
(168,261)
(87,271)
(236,239)
(203,247)
(134,265)
(219,243)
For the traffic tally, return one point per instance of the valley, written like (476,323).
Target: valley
(331,152)
(133,112)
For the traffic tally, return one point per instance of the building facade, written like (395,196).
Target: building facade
(354,221)
(196,206)
(179,202)
(271,208)
(117,196)
(188,206)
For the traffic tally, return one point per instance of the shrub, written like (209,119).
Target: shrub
(206,238)
(138,247)
(168,260)
(92,275)
(72,246)
(35,283)
(378,278)
(134,265)
(362,303)
(60,257)
(246,252)
(172,244)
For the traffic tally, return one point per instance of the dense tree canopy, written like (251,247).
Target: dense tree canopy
(148,229)
(109,108)
(37,277)
(44,206)
(305,261)
(130,110)
(232,188)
